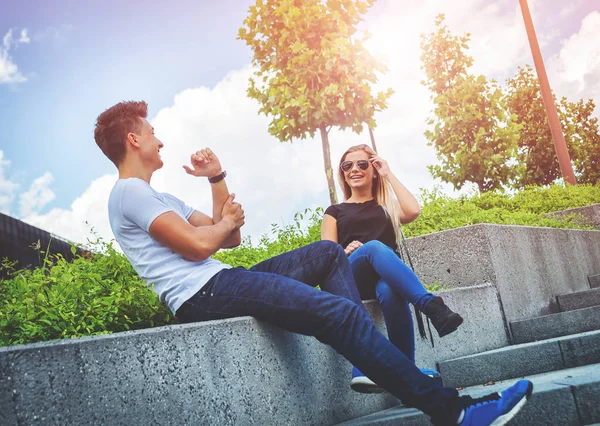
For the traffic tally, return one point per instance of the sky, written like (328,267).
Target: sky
(63,62)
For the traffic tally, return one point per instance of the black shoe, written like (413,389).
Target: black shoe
(443,319)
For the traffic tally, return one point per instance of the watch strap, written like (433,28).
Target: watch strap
(218,177)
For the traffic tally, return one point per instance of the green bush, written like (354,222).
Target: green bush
(528,207)
(100,293)
(282,240)
(94,294)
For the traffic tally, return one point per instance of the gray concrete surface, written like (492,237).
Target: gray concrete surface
(590,214)
(566,397)
(594,281)
(578,300)
(529,265)
(231,372)
(522,360)
(482,330)
(555,325)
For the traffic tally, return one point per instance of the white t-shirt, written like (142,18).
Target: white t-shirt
(132,207)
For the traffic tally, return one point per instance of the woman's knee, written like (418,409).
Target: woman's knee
(373,248)
(375,245)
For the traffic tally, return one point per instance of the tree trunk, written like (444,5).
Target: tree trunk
(372,139)
(481,187)
(327,162)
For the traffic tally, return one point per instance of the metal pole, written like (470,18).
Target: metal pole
(562,153)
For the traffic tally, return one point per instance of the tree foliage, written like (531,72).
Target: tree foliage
(473,136)
(312,71)
(536,147)
(497,137)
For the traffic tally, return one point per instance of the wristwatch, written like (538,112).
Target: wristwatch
(218,177)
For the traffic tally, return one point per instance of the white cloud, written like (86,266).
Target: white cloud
(8,188)
(90,207)
(38,195)
(575,71)
(24,37)
(9,71)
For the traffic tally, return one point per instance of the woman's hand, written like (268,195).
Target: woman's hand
(204,163)
(380,165)
(352,246)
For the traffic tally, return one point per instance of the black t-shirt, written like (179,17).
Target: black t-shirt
(362,222)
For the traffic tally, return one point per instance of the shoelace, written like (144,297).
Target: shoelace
(418,315)
(484,399)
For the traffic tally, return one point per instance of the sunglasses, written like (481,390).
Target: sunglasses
(347,165)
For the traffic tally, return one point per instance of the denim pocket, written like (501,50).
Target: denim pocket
(196,307)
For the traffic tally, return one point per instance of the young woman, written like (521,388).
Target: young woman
(367,225)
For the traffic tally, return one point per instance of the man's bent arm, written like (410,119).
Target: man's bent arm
(190,242)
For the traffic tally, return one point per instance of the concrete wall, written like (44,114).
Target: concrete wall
(591,214)
(528,265)
(231,372)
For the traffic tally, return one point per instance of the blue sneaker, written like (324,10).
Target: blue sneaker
(361,383)
(495,409)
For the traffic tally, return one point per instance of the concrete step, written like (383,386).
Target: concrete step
(522,360)
(555,325)
(594,281)
(578,300)
(566,397)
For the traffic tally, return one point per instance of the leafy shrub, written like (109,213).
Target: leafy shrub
(283,239)
(94,294)
(100,293)
(528,207)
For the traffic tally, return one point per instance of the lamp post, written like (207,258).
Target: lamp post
(562,153)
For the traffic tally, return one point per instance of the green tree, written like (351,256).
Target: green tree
(585,134)
(473,136)
(536,146)
(312,71)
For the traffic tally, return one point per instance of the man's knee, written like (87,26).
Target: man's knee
(329,246)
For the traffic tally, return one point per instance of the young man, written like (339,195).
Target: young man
(170,245)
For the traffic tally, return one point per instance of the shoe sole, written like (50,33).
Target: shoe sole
(365,385)
(454,321)
(505,418)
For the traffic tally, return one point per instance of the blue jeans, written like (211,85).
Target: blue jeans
(280,291)
(380,273)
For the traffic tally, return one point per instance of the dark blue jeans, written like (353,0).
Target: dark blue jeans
(280,291)
(380,273)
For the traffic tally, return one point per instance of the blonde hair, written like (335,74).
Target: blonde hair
(381,189)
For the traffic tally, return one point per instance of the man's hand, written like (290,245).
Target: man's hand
(233,211)
(204,164)
(352,246)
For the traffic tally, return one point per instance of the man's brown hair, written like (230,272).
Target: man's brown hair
(113,125)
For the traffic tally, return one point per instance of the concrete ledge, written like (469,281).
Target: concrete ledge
(231,372)
(588,395)
(567,397)
(594,281)
(528,265)
(483,328)
(578,300)
(522,360)
(555,325)
(590,214)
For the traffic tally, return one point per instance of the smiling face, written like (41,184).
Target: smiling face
(149,145)
(356,177)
